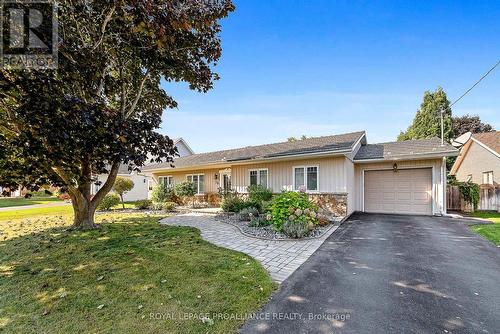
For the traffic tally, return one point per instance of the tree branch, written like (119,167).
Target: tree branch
(139,93)
(108,184)
(103,27)
(62,174)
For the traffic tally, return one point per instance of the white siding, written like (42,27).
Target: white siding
(140,190)
(183,149)
(280,174)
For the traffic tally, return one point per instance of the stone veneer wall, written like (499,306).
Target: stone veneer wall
(335,204)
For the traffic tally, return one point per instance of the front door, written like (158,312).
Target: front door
(225,177)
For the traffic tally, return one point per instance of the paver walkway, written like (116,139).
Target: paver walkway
(280,258)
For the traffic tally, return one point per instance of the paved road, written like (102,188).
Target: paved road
(391,274)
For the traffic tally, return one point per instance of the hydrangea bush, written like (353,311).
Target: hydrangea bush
(290,206)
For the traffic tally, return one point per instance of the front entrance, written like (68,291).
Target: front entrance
(225,180)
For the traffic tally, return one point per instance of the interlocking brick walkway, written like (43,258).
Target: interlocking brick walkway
(280,258)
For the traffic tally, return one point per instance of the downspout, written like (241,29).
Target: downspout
(444,181)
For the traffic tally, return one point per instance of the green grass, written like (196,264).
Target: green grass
(491,231)
(130,276)
(8,202)
(493,216)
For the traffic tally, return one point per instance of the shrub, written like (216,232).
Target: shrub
(298,228)
(156,206)
(185,189)
(233,203)
(162,193)
(248,213)
(258,222)
(259,193)
(41,193)
(109,201)
(168,206)
(143,204)
(470,192)
(290,206)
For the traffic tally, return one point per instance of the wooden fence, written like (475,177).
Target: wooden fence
(489,199)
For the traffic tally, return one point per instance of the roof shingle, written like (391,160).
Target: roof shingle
(305,146)
(490,139)
(403,148)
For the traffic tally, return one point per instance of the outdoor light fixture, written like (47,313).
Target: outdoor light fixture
(216,176)
(395,168)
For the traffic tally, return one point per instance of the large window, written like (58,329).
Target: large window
(488,177)
(167,180)
(305,176)
(199,182)
(259,176)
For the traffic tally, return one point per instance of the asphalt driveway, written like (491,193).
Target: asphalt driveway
(391,274)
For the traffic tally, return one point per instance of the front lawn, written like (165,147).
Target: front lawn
(8,202)
(492,231)
(131,276)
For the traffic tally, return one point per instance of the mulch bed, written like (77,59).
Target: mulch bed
(268,232)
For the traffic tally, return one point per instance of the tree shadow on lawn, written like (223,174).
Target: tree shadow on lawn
(132,275)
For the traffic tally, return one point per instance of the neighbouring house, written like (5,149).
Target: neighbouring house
(342,173)
(142,181)
(479,162)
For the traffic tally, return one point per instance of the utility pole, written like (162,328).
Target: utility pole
(442,126)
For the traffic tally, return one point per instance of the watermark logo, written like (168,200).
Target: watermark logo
(28,34)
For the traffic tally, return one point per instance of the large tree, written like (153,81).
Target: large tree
(103,104)
(467,123)
(427,121)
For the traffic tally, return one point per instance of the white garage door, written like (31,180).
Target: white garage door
(404,191)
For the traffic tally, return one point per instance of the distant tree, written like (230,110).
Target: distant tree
(427,121)
(466,123)
(103,104)
(122,185)
(290,139)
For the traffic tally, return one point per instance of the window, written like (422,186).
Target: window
(199,182)
(469,178)
(168,180)
(488,177)
(259,176)
(305,176)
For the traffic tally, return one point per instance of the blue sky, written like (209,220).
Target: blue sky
(323,67)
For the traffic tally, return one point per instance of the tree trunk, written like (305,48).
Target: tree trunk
(123,203)
(84,212)
(84,204)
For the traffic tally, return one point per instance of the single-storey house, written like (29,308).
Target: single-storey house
(341,173)
(479,159)
(143,182)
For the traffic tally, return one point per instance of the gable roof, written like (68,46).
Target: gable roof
(490,139)
(327,144)
(181,140)
(404,149)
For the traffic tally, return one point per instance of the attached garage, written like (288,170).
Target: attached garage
(404,191)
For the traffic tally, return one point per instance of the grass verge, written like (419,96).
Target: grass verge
(491,231)
(132,275)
